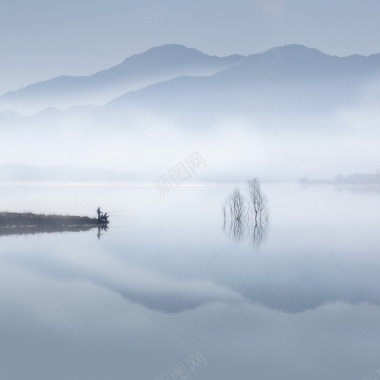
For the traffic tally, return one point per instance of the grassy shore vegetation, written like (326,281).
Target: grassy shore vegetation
(13,223)
(14,219)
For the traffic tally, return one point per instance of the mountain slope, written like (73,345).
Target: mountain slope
(155,65)
(297,62)
(290,79)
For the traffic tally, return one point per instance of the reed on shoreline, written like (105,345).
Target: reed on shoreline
(28,219)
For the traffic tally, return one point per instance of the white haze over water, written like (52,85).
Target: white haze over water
(234,149)
(286,114)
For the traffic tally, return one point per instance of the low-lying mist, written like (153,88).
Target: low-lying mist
(282,115)
(143,145)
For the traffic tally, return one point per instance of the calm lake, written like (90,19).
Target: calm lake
(170,293)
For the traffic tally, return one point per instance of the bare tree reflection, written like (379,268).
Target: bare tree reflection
(237,229)
(246,216)
(259,234)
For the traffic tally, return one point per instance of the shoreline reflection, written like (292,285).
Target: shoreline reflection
(34,230)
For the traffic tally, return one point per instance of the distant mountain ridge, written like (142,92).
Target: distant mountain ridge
(298,61)
(291,78)
(140,70)
(171,77)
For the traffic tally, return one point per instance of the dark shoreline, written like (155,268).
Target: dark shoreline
(14,219)
(13,223)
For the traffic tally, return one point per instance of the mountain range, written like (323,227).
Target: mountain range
(155,65)
(176,77)
(255,115)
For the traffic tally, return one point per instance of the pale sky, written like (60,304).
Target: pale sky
(41,39)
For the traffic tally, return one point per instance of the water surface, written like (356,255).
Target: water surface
(168,293)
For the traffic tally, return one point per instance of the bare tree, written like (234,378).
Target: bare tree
(237,205)
(247,212)
(258,201)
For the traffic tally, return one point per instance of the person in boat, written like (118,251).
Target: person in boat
(105,218)
(99,213)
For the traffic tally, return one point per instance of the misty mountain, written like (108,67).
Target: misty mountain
(297,62)
(285,79)
(155,65)
(290,101)
(174,80)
